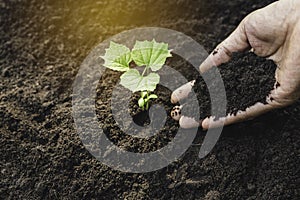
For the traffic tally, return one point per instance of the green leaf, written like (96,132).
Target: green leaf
(150,53)
(117,57)
(133,81)
(152,96)
(143,94)
(141,102)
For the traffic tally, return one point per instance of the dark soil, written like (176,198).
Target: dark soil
(255,78)
(247,78)
(42,44)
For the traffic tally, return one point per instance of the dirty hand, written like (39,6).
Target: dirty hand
(272,32)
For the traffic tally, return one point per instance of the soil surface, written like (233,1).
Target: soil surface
(43,43)
(247,79)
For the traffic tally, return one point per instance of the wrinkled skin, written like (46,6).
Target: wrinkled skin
(272,32)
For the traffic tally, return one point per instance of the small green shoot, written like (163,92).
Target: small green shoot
(148,55)
(144,100)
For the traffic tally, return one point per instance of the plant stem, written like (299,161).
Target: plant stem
(147,101)
(145,70)
(143,107)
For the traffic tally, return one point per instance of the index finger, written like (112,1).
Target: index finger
(236,42)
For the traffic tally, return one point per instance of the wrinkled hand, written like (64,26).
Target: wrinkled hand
(272,32)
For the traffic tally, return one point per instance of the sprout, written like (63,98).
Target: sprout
(150,55)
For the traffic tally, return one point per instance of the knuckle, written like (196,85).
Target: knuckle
(283,98)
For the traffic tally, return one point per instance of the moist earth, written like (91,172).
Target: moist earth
(247,79)
(42,46)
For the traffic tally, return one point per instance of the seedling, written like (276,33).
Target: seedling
(144,100)
(148,55)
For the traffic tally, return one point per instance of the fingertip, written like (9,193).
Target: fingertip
(206,64)
(205,123)
(219,55)
(174,98)
(188,122)
(212,122)
(176,112)
(182,92)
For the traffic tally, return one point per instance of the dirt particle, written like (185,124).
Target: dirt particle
(212,195)
(277,84)
(5,72)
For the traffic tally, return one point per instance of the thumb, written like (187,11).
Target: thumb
(249,113)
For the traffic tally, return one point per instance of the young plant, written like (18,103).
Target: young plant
(150,56)
(144,100)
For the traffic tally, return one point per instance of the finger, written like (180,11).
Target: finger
(176,112)
(182,92)
(184,121)
(288,71)
(249,113)
(188,122)
(236,42)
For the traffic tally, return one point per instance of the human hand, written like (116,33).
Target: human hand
(272,32)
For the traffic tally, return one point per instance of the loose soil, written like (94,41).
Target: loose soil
(42,46)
